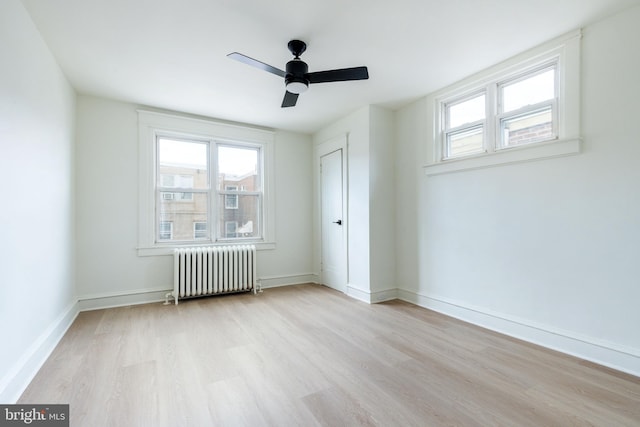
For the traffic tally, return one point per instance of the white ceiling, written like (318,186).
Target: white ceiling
(172,53)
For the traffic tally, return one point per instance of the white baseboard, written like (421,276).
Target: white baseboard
(358,294)
(385,295)
(289,279)
(122,298)
(608,354)
(371,297)
(18,377)
(151,295)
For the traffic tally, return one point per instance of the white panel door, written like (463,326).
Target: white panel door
(334,271)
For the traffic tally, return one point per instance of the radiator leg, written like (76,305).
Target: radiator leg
(257,289)
(166,298)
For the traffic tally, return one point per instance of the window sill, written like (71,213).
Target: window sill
(527,153)
(168,250)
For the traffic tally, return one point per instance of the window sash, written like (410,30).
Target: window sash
(477,128)
(449,105)
(501,119)
(527,74)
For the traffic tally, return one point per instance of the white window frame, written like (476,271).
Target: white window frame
(564,53)
(150,126)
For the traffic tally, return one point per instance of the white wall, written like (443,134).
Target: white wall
(37,109)
(107,204)
(370,210)
(292,260)
(382,204)
(545,250)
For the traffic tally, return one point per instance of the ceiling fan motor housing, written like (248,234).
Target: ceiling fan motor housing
(296,71)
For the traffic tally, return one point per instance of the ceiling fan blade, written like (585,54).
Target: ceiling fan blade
(255,63)
(341,75)
(289,100)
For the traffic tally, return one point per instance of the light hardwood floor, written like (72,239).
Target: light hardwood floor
(307,355)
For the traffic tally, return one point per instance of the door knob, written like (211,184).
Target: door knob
(339,222)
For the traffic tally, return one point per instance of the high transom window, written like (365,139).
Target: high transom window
(518,110)
(526,108)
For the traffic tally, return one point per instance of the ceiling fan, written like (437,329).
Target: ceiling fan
(297,78)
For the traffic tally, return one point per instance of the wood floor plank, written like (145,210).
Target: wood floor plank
(307,355)
(134,400)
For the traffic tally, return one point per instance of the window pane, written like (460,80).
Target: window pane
(245,215)
(238,168)
(182,164)
(468,111)
(465,142)
(530,91)
(525,129)
(182,210)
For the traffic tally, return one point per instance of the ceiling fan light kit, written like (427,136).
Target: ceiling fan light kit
(297,77)
(297,87)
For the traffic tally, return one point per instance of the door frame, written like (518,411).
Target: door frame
(340,142)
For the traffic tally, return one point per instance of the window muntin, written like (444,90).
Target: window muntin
(184,164)
(465,123)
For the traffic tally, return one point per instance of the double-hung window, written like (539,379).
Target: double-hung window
(530,102)
(202,183)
